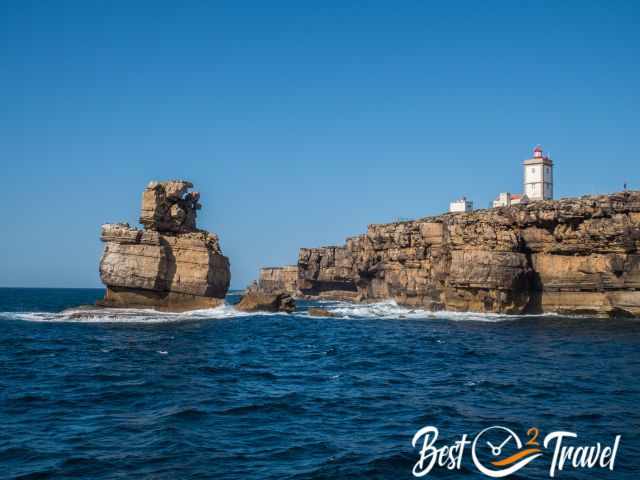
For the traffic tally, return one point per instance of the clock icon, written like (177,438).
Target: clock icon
(489,446)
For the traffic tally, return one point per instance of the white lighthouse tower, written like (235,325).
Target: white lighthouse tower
(538,176)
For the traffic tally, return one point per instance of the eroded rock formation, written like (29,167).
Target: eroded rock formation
(279,279)
(256,300)
(328,272)
(576,255)
(170,264)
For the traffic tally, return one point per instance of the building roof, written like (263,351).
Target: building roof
(538,160)
(538,149)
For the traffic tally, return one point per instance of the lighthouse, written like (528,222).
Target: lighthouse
(538,176)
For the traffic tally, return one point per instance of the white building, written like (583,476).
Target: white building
(506,199)
(538,181)
(461,205)
(538,176)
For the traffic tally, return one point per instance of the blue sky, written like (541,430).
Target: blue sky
(299,122)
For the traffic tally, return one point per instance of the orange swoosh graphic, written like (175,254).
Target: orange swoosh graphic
(515,457)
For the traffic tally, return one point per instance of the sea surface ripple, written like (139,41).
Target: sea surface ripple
(222,395)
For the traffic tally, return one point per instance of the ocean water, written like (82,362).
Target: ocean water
(222,395)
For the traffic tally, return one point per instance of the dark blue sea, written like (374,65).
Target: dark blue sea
(214,394)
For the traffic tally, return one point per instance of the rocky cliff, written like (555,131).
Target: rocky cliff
(279,279)
(576,255)
(329,272)
(169,264)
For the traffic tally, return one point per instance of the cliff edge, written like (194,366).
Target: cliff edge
(169,264)
(573,256)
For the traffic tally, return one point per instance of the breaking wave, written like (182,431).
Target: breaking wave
(385,310)
(391,310)
(128,315)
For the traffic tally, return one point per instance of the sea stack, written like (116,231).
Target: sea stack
(168,265)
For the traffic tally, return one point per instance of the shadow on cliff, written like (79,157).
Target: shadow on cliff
(168,266)
(534,306)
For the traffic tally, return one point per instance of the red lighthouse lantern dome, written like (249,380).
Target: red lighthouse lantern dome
(537,152)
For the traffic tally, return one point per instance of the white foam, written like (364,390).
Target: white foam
(345,310)
(128,315)
(391,310)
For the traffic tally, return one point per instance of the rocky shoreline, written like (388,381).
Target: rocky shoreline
(570,256)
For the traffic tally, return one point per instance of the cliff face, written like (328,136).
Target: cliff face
(169,264)
(569,256)
(329,272)
(279,279)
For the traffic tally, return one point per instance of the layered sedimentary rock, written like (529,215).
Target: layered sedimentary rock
(575,255)
(170,264)
(279,279)
(328,272)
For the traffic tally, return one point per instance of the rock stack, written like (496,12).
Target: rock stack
(168,265)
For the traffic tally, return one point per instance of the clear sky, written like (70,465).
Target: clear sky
(299,122)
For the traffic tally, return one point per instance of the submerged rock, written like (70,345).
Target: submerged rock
(320,312)
(170,264)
